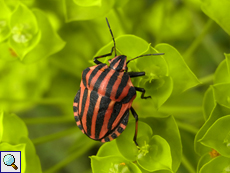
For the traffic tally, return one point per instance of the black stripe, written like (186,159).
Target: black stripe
(120,129)
(124,121)
(114,135)
(100,79)
(94,72)
(129,96)
(75,109)
(107,139)
(112,80)
(85,94)
(84,73)
(76,118)
(126,118)
(92,103)
(122,85)
(121,64)
(104,104)
(80,127)
(77,96)
(120,58)
(114,61)
(76,100)
(116,111)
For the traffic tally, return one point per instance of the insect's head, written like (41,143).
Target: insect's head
(118,63)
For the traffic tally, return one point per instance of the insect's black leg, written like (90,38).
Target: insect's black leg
(136,128)
(99,62)
(143,92)
(136,74)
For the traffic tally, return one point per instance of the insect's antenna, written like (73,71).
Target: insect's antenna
(144,55)
(114,47)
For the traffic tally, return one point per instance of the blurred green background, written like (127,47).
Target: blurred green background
(41,66)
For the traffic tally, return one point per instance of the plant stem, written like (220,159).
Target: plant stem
(187,127)
(54,136)
(187,165)
(48,120)
(46,101)
(70,158)
(198,39)
(206,79)
(181,109)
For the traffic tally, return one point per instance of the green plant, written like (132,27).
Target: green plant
(45,46)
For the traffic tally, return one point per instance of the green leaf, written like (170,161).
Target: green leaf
(167,128)
(4,21)
(159,171)
(7,54)
(10,127)
(218,136)
(219,164)
(129,45)
(156,80)
(144,134)
(222,94)
(155,155)
(125,142)
(217,93)
(154,66)
(32,160)
(203,160)
(20,16)
(14,137)
(77,12)
(19,147)
(176,65)
(88,3)
(218,112)
(113,164)
(159,89)
(222,73)
(24,29)
(109,149)
(49,42)
(209,102)
(218,11)
(29,159)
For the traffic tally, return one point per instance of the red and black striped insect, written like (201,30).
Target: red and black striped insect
(102,104)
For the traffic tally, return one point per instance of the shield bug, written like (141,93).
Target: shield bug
(102,104)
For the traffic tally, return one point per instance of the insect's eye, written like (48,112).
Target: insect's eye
(109,60)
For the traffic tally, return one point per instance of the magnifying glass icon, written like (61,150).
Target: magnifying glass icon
(9,160)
